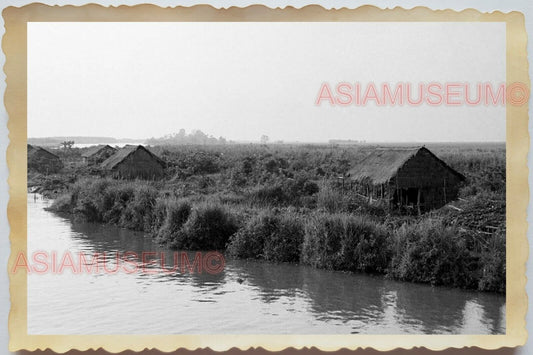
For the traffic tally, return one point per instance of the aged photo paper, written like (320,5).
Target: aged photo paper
(257,177)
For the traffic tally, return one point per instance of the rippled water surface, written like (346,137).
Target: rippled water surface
(246,297)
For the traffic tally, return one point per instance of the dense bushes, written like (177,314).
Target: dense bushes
(429,252)
(331,199)
(168,217)
(128,205)
(208,227)
(138,206)
(493,264)
(275,223)
(344,242)
(63,203)
(284,192)
(138,212)
(270,236)
(337,242)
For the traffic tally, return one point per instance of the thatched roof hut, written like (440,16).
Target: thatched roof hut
(134,162)
(98,153)
(43,161)
(406,177)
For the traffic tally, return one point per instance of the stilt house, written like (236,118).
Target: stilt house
(412,178)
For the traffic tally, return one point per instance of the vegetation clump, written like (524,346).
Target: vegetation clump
(270,236)
(207,227)
(346,242)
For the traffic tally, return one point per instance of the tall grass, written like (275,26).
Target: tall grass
(430,252)
(169,216)
(270,236)
(346,242)
(331,200)
(493,267)
(208,226)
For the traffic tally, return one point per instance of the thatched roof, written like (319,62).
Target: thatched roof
(34,149)
(125,152)
(95,150)
(41,160)
(383,164)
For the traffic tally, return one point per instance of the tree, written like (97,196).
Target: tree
(264,139)
(67,144)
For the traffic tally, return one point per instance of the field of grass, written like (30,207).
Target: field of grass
(285,203)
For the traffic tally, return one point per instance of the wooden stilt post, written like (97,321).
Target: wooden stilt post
(445,199)
(418,200)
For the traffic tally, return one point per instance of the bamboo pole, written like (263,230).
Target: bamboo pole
(418,200)
(445,199)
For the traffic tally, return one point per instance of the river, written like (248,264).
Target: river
(245,297)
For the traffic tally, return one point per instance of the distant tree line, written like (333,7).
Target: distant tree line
(195,137)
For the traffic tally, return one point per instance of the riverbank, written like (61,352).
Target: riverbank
(302,298)
(439,248)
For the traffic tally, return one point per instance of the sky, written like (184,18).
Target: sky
(243,80)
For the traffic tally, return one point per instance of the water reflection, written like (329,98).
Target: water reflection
(375,304)
(246,297)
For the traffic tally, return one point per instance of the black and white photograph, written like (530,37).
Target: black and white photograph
(266,178)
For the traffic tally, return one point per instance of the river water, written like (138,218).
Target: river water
(245,297)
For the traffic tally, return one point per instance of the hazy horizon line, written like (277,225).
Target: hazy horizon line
(278,141)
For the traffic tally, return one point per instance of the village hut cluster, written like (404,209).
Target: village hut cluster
(398,178)
(129,162)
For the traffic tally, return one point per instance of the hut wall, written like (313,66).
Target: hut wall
(437,183)
(139,165)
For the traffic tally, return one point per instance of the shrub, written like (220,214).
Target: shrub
(345,242)
(493,264)
(88,199)
(208,227)
(331,200)
(366,246)
(429,252)
(237,179)
(274,195)
(159,214)
(285,243)
(170,215)
(62,203)
(269,236)
(322,243)
(249,241)
(87,209)
(118,198)
(138,212)
(310,188)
